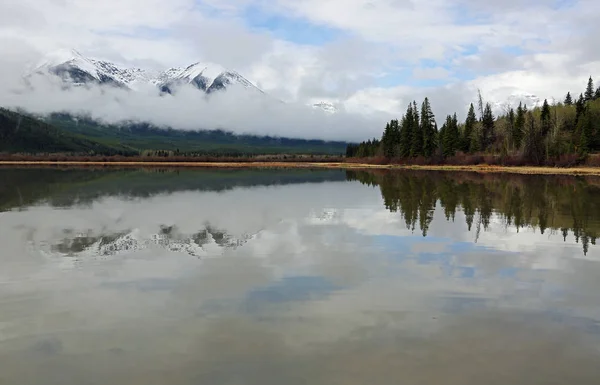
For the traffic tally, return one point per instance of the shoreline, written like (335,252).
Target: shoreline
(540,170)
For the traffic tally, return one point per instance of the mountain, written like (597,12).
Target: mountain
(207,77)
(77,70)
(326,107)
(26,134)
(513,100)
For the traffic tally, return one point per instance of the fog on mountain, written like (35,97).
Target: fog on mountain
(200,96)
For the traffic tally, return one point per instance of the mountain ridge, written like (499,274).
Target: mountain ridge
(78,70)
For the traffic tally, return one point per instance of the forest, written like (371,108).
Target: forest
(562,134)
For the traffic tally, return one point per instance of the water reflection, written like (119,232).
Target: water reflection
(548,203)
(138,277)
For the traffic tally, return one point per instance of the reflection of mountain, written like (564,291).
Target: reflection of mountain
(20,187)
(555,204)
(168,238)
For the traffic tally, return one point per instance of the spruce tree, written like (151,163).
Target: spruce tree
(579,107)
(532,146)
(487,125)
(428,128)
(416,147)
(511,126)
(589,91)
(443,145)
(597,93)
(568,99)
(449,136)
(519,126)
(469,129)
(387,141)
(584,128)
(545,118)
(406,132)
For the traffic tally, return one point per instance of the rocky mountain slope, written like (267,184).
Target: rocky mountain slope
(77,70)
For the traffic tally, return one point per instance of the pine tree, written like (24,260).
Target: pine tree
(589,91)
(579,107)
(519,126)
(545,118)
(487,125)
(428,128)
(585,129)
(449,136)
(597,93)
(532,146)
(391,139)
(442,143)
(468,131)
(568,99)
(387,141)
(406,132)
(511,126)
(416,147)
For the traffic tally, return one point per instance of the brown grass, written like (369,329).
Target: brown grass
(327,165)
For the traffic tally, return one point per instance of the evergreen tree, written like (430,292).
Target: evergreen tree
(449,137)
(579,107)
(585,129)
(407,132)
(511,126)
(487,125)
(589,91)
(597,93)
(391,139)
(519,126)
(416,147)
(428,128)
(442,143)
(545,118)
(568,99)
(468,131)
(532,146)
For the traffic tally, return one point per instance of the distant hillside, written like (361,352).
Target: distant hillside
(25,134)
(143,136)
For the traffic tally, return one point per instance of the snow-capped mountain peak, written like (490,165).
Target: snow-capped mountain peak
(520,97)
(326,107)
(61,59)
(76,69)
(208,70)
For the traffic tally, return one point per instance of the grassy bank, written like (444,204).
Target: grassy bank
(308,164)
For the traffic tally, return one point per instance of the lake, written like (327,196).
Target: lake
(297,277)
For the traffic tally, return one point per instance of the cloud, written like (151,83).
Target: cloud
(369,57)
(239,110)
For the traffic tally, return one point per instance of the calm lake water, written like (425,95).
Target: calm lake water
(297,277)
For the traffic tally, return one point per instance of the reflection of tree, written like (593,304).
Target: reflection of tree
(543,202)
(65,187)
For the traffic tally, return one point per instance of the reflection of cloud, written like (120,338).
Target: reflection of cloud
(335,285)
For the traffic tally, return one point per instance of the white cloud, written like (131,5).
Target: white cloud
(431,73)
(495,46)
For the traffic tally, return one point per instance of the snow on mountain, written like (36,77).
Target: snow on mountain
(328,107)
(525,98)
(127,76)
(78,70)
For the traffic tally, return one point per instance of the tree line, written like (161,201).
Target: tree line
(535,135)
